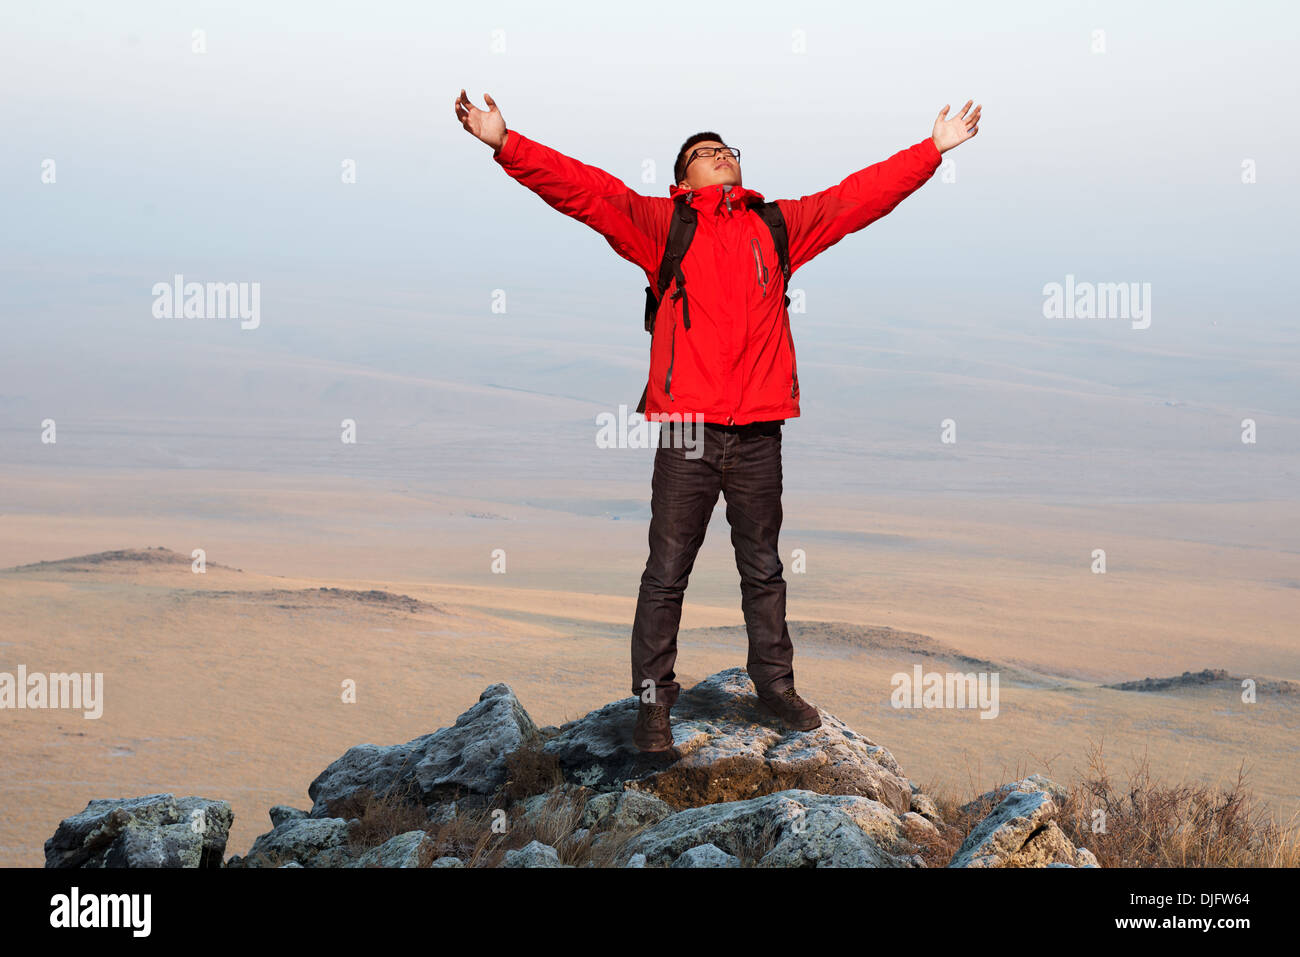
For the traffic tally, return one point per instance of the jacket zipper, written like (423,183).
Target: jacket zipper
(759,269)
(672,357)
(794,372)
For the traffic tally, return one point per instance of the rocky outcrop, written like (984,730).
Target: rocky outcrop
(157,830)
(1035,782)
(726,748)
(281,813)
(1021,832)
(1209,678)
(706,855)
(563,799)
(738,789)
(405,850)
(468,756)
(794,828)
(308,841)
(534,854)
(625,810)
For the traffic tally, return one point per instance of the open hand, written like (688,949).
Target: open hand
(953,132)
(489,126)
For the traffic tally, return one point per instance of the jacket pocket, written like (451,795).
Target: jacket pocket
(760,271)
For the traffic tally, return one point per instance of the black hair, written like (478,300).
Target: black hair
(679,168)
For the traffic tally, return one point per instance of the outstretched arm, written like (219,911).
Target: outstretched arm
(635,226)
(818,221)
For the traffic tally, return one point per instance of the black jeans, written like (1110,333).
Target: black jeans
(744,463)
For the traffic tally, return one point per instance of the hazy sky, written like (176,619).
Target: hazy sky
(1115,166)
(1126,161)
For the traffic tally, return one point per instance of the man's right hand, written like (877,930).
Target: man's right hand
(489,126)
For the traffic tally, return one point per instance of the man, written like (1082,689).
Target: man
(722,352)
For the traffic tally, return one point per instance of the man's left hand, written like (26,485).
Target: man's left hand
(953,132)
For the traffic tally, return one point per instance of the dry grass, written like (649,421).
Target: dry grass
(481,837)
(530,770)
(1151,824)
(937,850)
(381,817)
(751,851)
(1143,822)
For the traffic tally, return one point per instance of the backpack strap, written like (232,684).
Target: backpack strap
(771,214)
(681,230)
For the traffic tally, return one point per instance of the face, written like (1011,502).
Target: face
(710,170)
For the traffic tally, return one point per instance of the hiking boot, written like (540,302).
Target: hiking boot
(792,709)
(653,730)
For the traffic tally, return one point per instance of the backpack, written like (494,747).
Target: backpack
(680,233)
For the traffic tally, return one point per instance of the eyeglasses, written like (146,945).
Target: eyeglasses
(704,152)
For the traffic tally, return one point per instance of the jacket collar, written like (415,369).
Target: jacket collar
(712,199)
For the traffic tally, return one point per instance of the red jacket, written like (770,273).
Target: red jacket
(736,362)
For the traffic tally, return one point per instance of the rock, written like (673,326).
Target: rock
(312,842)
(468,756)
(405,850)
(213,818)
(442,813)
(726,749)
(292,864)
(566,799)
(804,829)
(738,786)
(706,855)
(282,812)
(1005,831)
(1082,858)
(535,854)
(1048,845)
(925,807)
(156,830)
(601,806)
(472,804)
(1020,832)
(1035,782)
(919,829)
(167,845)
(626,810)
